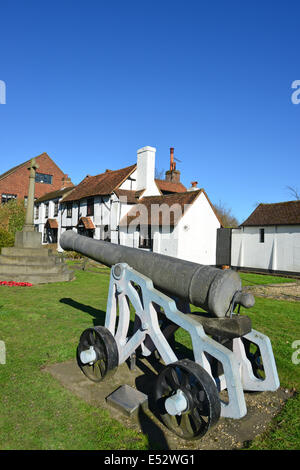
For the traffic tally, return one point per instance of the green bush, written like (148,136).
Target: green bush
(6,238)
(73,255)
(12,218)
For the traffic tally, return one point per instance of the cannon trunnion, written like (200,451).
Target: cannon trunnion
(228,355)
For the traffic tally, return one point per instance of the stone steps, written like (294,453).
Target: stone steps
(40,278)
(31,268)
(13,251)
(34,265)
(30,260)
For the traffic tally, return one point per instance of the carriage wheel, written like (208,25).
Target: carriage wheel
(97,353)
(187,399)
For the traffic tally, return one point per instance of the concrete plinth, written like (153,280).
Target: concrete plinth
(26,239)
(28,261)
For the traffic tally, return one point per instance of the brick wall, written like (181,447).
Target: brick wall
(17,182)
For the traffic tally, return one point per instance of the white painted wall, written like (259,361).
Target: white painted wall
(130,183)
(197,232)
(42,219)
(280,250)
(165,240)
(193,239)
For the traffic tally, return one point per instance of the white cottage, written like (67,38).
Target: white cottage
(183,225)
(269,240)
(130,207)
(47,214)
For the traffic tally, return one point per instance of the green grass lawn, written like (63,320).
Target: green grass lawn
(41,325)
(251,279)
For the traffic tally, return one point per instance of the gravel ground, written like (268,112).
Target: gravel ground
(289,291)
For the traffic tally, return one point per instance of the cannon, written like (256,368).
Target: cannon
(156,291)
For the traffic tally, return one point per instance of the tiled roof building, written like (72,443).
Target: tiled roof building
(279,213)
(49,177)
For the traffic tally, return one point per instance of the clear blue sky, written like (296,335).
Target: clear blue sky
(89,82)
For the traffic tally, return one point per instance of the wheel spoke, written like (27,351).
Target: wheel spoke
(171,379)
(91,338)
(102,366)
(186,425)
(173,422)
(185,379)
(197,418)
(96,370)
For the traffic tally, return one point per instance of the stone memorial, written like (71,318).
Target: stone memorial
(28,261)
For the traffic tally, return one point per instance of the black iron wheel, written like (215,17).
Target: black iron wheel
(200,393)
(106,352)
(254,355)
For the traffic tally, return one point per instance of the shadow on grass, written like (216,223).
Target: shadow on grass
(98,315)
(146,383)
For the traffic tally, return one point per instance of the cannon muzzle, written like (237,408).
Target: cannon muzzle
(207,287)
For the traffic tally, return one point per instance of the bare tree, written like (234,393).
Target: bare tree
(159,174)
(225,215)
(294,192)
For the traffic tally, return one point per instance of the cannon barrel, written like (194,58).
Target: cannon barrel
(204,286)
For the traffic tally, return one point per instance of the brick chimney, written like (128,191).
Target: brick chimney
(66,182)
(172,175)
(194,186)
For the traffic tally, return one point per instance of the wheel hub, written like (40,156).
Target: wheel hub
(177,403)
(89,356)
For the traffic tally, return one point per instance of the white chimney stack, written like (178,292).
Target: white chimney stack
(146,171)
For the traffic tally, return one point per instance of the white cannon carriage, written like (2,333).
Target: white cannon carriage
(229,357)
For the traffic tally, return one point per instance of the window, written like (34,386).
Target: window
(47,210)
(106,233)
(42,178)
(37,212)
(7,197)
(261,235)
(69,209)
(25,201)
(90,206)
(55,209)
(145,240)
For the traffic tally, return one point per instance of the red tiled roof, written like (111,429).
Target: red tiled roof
(99,185)
(168,186)
(279,213)
(53,195)
(131,196)
(87,222)
(146,213)
(51,223)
